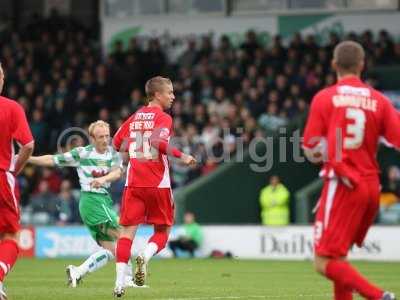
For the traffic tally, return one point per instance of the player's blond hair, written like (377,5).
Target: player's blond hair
(154,85)
(98,123)
(349,55)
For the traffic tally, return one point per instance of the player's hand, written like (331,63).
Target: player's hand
(188,160)
(97,182)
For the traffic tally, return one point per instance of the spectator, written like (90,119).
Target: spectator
(191,237)
(52,178)
(274,202)
(67,205)
(62,79)
(271,121)
(44,205)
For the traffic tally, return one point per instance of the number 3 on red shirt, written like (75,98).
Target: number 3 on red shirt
(356,130)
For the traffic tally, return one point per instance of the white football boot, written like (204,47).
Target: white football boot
(388,296)
(73,276)
(119,291)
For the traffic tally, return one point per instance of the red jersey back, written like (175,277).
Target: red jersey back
(147,166)
(352,117)
(14,126)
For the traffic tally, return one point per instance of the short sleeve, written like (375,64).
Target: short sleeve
(21,133)
(163,128)
(390,125)
(116,160)
(69,159)
(121,136)
(316,127)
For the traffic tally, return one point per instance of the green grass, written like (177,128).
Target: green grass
(191,280)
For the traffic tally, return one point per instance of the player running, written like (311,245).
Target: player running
(97,164)
(14,127)
(147,197)
(351,116)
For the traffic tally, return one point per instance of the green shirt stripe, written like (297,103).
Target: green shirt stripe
(89,164)
(75,154)
(95,162)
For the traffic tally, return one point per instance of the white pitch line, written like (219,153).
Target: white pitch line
(321,296)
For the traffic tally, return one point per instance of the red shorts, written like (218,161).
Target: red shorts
(344,216)
(147,205)
(9,203)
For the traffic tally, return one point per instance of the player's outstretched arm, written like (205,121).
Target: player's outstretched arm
(24,154)
(188,159)
(110,177)
(43,161)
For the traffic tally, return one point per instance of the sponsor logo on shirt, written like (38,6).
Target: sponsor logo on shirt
(351,90)
(97,174)
(164,133)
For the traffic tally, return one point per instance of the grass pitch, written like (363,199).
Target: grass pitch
(187,279)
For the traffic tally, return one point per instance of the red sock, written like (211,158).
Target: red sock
(8,256)
(160,238)
(123,251)
(341,292)
(344,274)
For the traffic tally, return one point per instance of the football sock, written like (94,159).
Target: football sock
(8,255)
(123,253)
(95,261)
(121,273)
(129,270)
(341,292)
(160,238)
(342,273)
(149,251)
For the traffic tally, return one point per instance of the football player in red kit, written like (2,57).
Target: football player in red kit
(351,117)
(147,197)
(14,127)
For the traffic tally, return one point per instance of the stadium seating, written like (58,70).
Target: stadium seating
(61,77)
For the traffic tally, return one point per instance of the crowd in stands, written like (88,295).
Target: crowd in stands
(63,78)
(390,196)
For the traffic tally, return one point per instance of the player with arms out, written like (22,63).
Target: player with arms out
(97,164)
(14,127)
(147,196)
(351,117)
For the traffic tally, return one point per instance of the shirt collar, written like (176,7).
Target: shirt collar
(349,79)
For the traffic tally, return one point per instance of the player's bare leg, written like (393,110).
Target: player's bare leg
(347,279)
(123,254)
(156,243)
(8,256)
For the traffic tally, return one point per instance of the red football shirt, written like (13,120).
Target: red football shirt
(14,126)
(147,166)
(352,117)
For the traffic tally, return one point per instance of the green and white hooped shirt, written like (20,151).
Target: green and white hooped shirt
(90,164)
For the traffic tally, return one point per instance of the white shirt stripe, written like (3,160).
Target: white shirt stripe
(4,267)
(165,182)
(332,187)
(11,183)
(12,163)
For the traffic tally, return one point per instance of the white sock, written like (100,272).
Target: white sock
(129,271)
(95,261)
(149,251)
(121,271)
